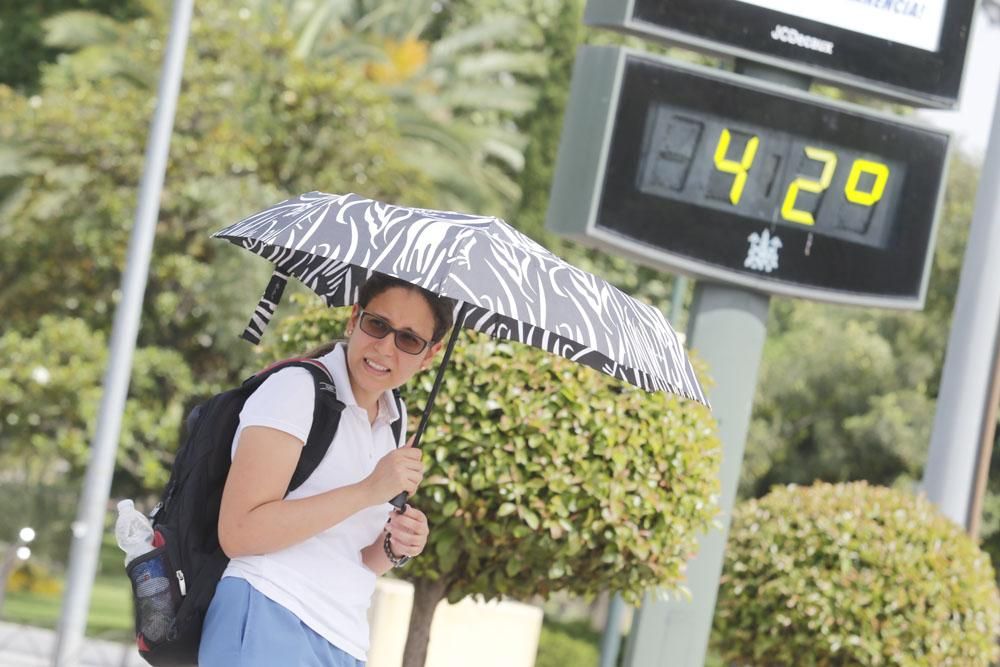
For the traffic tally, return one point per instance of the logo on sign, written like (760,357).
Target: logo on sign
(782,33)
(763,252)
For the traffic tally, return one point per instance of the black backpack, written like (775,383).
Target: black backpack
(173,584)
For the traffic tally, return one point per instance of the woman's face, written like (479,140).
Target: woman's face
(376,365)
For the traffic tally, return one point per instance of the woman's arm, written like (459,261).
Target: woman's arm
(255,517)
(374,558)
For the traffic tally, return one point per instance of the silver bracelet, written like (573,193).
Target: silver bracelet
(397,561)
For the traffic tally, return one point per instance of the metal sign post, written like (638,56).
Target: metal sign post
(727,329)
(963,399)
(89,524)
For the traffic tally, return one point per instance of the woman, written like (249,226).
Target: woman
(303,567)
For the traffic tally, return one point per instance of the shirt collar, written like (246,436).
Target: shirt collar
(336,362)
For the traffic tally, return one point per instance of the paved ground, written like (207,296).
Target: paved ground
(26,646)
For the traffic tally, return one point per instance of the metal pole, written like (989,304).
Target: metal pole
(612,638)
(676,632)
(986,441)
(677,299)
(89,524)
(963,397)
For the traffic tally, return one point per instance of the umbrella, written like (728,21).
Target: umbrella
(505,284)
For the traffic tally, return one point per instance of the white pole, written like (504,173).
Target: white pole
(965,381)
(89,524)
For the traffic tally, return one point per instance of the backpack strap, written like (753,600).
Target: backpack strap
(397,426)
(326,414)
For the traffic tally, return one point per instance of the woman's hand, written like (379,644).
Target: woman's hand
(408,532)
(400,470)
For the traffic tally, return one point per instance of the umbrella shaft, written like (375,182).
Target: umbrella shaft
(400,501)
(440,374)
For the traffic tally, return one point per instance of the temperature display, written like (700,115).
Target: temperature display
(769,176)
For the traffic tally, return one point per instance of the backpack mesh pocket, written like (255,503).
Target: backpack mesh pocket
(155,595)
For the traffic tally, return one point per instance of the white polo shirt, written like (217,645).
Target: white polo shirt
(322,580)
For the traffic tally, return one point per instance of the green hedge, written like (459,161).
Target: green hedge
(544,475)
(853,574)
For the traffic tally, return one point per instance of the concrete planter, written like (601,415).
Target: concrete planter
(493,634)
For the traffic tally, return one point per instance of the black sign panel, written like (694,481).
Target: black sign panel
(750,183)
(909,50)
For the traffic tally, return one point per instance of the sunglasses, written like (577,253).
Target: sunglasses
(376,327)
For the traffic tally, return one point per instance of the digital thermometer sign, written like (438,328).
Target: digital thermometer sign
(738,180)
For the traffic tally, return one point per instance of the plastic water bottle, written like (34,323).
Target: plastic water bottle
(133,531)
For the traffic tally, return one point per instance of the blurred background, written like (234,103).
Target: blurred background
(449,104)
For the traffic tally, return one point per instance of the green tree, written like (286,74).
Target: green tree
(51,393)
(23,49)
(50,390)
(254,124)
(458,90)
(544,475)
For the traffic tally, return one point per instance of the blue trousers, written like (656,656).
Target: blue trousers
(244,628)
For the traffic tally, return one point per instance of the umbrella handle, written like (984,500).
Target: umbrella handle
(399,502)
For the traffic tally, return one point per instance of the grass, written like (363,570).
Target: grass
(568,643)
(110,615)
(574,643)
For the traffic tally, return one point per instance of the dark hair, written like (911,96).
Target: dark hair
(442,308)
(323,349)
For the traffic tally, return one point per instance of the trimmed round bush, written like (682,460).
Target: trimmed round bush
(852,574)
(544,475)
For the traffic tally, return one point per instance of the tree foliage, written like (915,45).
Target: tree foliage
(544,475)
(854,574)
(52,380)
(23,48)
(458,89)
(254,123)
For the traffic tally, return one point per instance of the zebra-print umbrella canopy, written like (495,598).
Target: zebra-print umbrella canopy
(514,288)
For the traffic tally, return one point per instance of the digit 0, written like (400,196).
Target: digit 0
(788,210)
(878,170)
(737,169)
